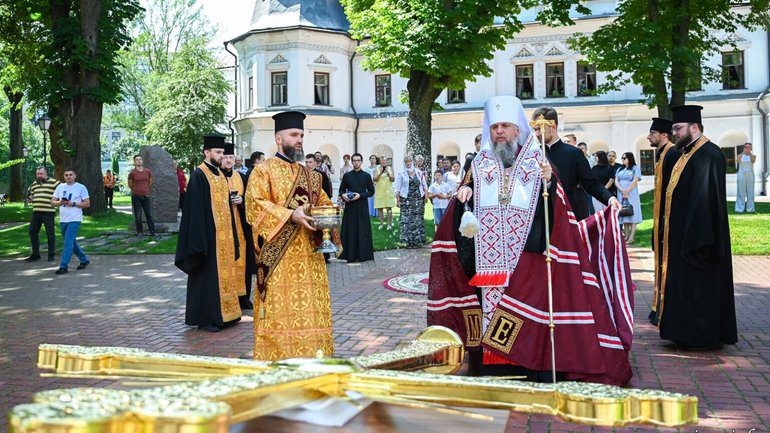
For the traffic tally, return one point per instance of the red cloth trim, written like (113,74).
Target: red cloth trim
(493,358)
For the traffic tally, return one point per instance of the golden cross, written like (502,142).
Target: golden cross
(540,122)
(220,392)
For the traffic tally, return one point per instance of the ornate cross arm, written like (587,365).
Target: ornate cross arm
(209,406)
(436,350)
(584,403)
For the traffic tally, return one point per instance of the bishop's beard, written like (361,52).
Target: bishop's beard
(506,152)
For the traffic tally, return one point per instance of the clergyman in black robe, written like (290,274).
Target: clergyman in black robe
(571,166)
(251,258)
(356,187)
(207,244)
(697,305)
(666,155)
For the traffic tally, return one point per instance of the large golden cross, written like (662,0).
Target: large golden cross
(219,392)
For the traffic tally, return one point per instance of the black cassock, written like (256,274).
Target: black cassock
(196,254)
(698,307)
(571,165)
(356,226)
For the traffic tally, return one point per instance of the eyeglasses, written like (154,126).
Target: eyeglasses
(677,128)
(623,157)
(358,160)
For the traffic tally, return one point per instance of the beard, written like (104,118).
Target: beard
(683,141)
(291,152)
(507,153)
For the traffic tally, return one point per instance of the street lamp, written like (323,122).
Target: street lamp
(25,152)
(44,123)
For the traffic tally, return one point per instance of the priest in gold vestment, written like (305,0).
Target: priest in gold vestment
(237,191)
(292,311)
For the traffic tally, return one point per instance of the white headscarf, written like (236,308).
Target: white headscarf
(504,109)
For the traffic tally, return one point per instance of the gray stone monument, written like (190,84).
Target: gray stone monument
(165,189)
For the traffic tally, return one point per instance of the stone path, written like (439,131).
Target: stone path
(138,301)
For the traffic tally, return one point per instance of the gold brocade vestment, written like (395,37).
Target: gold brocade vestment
(236,184)
(297,308)
(225,246)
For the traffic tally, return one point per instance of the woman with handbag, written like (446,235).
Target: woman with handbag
(626,180)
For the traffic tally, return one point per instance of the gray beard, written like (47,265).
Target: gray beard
(507,153)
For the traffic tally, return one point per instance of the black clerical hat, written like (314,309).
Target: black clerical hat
(660,124)
(214,140)
(288,120)
(687,114)
(229,149)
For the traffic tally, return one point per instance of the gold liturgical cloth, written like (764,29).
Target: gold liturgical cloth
(222,392)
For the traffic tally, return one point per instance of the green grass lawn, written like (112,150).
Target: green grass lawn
(391,239)
(13,212)
(15,241)
(749,233)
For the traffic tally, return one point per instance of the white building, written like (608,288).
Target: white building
(301,57)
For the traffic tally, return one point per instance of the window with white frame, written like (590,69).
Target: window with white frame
(554,84)
(250,97)
(455,96)
(280,88)
(525,85)
(321,84)
(586,79)
(732,70)
(382,90)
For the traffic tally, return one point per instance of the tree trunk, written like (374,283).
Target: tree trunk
(75,139)
(658,77)
(681,44)
(422,94)
(16,143)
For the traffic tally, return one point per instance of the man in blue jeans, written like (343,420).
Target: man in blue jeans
(72,197)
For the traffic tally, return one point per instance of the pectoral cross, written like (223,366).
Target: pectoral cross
(219,392)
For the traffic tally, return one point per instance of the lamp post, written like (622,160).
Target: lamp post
(25,152)
(44,123)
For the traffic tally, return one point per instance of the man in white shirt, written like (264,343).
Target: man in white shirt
(72,197)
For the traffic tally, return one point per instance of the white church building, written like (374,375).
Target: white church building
(298,55)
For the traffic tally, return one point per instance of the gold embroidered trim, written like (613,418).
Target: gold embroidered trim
(656,223)
(472,327)
(676,173)
(502,331)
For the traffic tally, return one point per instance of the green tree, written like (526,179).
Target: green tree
(189,102)
(438,44)
(659,44)
(70,70)
(159,32)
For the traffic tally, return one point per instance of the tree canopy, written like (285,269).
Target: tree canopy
(659,44)
(439,44)
(189,102)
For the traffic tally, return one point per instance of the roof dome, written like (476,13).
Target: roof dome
(322,14)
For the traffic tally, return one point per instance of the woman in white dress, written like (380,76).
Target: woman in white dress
(373,166)
(745,193)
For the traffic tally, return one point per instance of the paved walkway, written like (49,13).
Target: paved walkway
(138,301)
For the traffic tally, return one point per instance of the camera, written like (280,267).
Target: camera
(233,194)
